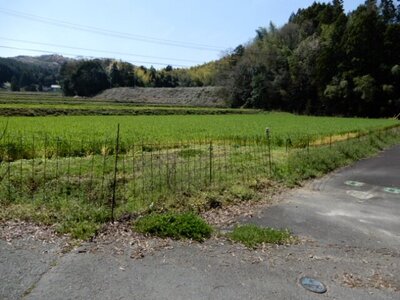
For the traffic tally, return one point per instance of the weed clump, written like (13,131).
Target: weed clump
(252,235)
(174,225)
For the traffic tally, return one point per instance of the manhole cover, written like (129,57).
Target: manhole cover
(392,190)
(313,285)
(354,183)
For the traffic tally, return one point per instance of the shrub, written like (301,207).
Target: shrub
(177,226)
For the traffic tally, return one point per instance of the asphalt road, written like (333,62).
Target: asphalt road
(349,221)
(356,206)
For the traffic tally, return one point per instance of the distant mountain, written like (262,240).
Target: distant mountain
(45,61)
(25,71)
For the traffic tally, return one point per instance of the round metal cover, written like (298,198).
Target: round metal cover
(392,190)
(354,183)
(313,285)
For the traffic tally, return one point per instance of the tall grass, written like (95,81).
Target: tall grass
(74,189)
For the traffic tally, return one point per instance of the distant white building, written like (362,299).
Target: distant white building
(55,88)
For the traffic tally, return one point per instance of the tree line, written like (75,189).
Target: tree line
(323,62)
(30,74)
(89,77)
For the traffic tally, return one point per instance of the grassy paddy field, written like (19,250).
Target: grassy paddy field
(62,170)
(33,113)
(190,127)
(54,104)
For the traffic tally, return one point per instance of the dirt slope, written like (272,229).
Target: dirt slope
(193,96)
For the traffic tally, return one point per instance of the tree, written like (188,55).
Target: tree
(83,78)
(303,68)
(364,50)
(153,78)
(6,73)
(338,6)
(127,74)
(398,12)
(14,84)
(335,95)
(89,79)
(31,88)
(25,79)
(331,55)
(240,84)
(67,70)
(261,32)
(366,87)
(371,4)
(115,76)
(388,11)
(391,45)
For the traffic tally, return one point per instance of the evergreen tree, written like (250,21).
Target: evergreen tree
(388,11)
(115,76)
(14,84)
(398,12)
(89,79)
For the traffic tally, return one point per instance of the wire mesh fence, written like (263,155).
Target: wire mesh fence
(44,168)
(112,173)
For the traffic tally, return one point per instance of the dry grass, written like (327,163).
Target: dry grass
(179,96)
(334,138)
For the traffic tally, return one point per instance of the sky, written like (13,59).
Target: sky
(153,32)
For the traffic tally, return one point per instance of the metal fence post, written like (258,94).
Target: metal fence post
(211,161)
(115,176)
(9,168)
(267,131)
(45,168)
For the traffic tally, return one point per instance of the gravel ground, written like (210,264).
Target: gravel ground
(194,96)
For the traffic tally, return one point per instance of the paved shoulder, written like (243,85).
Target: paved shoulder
(357,206)
(22,264)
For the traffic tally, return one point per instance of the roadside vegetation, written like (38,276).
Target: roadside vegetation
(252,236)
(174,225)
(317,161)
(74,193)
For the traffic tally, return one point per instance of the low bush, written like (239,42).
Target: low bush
(174,225)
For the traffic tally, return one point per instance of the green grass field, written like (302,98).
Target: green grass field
(161,124)
(53,104)
(62,169)
(190,127)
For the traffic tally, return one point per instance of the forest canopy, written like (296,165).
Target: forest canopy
(323,61)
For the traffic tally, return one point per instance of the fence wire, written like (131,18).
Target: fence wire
(43,168)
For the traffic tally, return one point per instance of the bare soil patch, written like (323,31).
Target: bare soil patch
(188,96)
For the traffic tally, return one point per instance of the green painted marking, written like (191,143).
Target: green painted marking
(392,190)
(354,183)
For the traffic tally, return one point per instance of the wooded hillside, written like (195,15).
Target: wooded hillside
(322,61)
